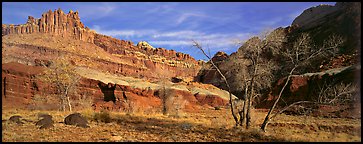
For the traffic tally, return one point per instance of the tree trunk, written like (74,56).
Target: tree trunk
(69,104)
(243,113)
(225,81)
(267,118)
(164,101)
(63,104)
(249,103)
(68,100)
(248,115)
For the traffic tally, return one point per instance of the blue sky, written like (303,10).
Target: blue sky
(218,26)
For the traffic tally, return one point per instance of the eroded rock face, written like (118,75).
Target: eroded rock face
(57,22)
(20,86)
(313,16)
(317,15)
(144,51)
(306,87)
(219,56)
(141,60)
(144,45)
(342,19)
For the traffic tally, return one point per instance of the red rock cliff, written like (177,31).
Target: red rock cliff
(57,22)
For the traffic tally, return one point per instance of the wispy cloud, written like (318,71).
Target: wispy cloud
(271,22)
(177,34)
(161,8)
(180,39)
(171,42)
(185,16)
(124,33)
(93,11)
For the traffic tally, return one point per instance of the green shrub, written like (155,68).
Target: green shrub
(103,116)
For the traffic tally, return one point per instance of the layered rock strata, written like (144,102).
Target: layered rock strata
(57,23)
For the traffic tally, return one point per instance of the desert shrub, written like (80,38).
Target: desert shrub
(103,116)
(84,101)
(88,113)
(132,107)
(173,104)
(44,102)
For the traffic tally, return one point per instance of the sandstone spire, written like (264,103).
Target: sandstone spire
(57,22)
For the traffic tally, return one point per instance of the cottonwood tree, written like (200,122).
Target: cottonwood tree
(259,67)
(170,102)
(253,70)
(198,46)
(62,75)
(300,55)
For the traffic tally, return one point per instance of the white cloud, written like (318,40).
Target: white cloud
(123,33)
(171,42)
(95,11)
(185,16)
(271,22)
(177,34)
(162,8)
(107,8)
(214,41)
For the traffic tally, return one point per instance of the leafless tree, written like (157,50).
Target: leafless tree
(197,45)
(257,68)
(337,94)
(302,53)
(252,70)
(62,75)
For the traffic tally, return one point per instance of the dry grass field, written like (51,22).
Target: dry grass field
(205,126)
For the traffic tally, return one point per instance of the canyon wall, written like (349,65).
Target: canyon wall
(57,23)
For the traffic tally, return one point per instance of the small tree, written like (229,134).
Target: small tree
(62,75)
(259,67)
(302,53)
(197,45)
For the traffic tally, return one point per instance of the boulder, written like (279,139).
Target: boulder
(16,119)
(76,119)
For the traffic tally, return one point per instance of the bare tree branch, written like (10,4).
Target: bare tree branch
(196,44)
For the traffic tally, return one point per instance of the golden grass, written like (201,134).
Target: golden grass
(207,125)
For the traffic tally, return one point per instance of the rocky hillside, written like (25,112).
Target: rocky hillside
(112,70)
(125,57)
(343,19)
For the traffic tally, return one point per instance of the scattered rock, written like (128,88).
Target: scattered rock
(176,80)
(46,122)
(217,108)
(47,125)
(16,119)
(44,116)
(76,119)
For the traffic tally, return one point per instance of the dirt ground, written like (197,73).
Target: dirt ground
(205,126)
